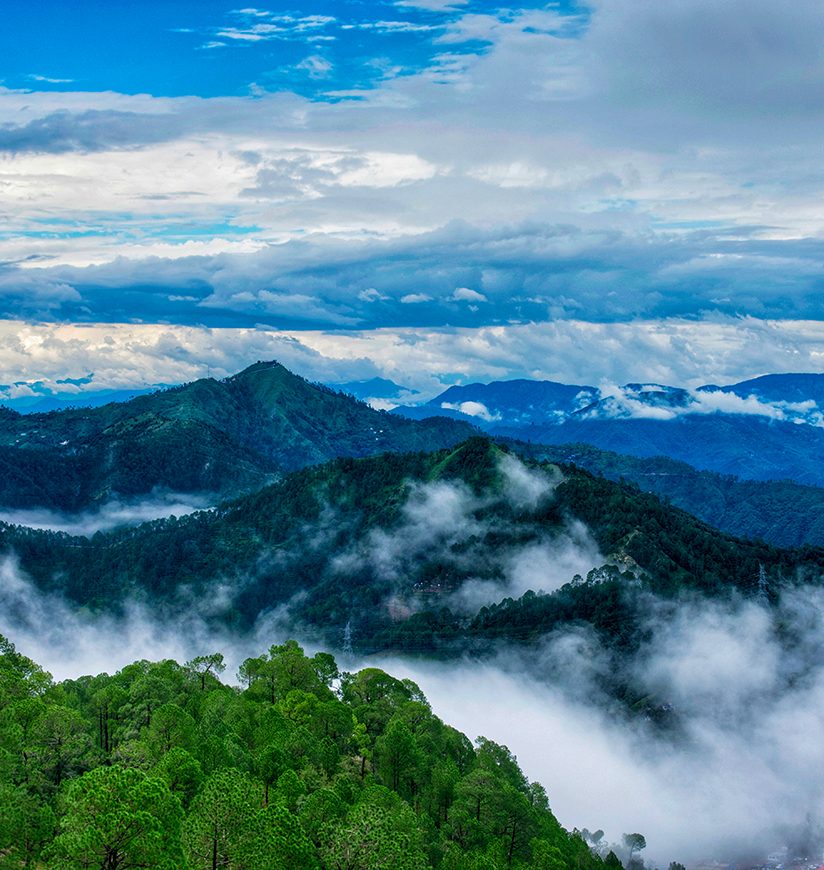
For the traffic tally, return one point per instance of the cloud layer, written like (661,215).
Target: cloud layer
(618,161)
(35,357)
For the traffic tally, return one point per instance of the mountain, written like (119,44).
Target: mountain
(161,765)
(221,437)
(781,388)
(409,551)
(43,403)
(782,513)
(769,428)
(517,402)
(745,446)
(373,388)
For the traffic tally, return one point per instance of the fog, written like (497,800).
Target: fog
(726,763)
(109,515)
(447,521)
(742,770)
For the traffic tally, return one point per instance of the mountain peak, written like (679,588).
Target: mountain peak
(475,461)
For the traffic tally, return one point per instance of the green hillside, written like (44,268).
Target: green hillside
(783,513)
(378,546)
(223,437)
(163,766)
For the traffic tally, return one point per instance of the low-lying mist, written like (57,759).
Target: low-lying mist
(736,778)
(446,521)
(109,515)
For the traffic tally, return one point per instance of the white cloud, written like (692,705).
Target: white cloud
(649,402)
(109,515)
(432,5)
(315,66)
(50,80)
(681,352)
(465,294)
(472,409)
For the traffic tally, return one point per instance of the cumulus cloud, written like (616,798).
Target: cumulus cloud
(687,353)
(93,130)
(610,195)
(465,294)
(315,66)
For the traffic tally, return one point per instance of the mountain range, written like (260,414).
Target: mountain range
(223,437)
(768,428)
(218,439)
(418,551)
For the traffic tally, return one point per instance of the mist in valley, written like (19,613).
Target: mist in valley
(734,773)
(111,514)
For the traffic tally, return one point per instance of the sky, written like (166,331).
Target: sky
(436,191)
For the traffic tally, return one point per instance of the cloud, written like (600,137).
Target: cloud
(608,199)
(653,402)
(315,66)
(93,130)
(258,25)
(596,201)
(50,80)
(525,273)
(472,409)
(70,642)
(741,765)
(740,760)
(464,294)
(109,515)
(687,353)
(432,5)
(698,59)
(444,523)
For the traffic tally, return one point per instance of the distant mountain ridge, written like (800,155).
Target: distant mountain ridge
(385,545)
(766,428)
(223,437)
(783,513)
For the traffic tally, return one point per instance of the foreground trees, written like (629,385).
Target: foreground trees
(117,818)
(163,766)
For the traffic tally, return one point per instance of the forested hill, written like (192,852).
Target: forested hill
(163,766)
(404,551)
(222,437)
(781,512)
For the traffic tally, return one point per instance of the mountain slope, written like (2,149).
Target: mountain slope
(749,447)
(516,402)
(783,513)
(403,550)
(768,428)
(222,437)
(798,387)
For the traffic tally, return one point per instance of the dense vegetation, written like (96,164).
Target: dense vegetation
(164,766)
(357,547)
(782,513)
(222,437)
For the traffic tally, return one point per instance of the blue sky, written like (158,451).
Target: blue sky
(173,48)
(424,170)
